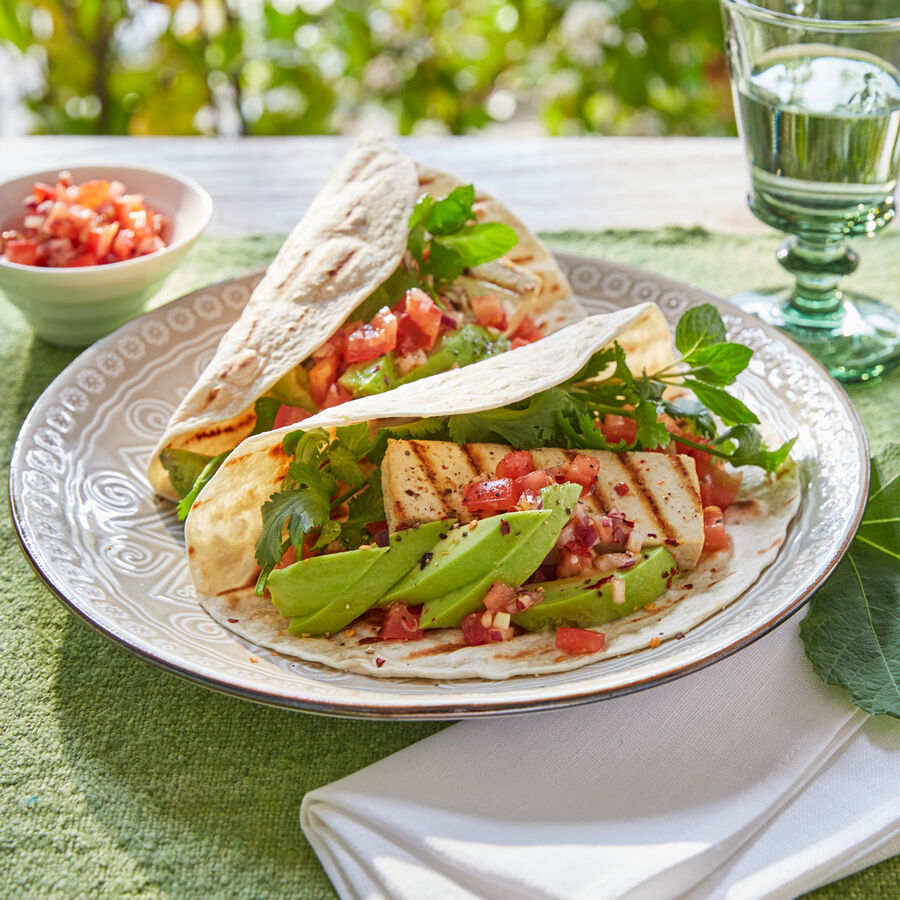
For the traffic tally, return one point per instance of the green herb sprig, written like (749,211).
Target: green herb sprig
(444,244)
(322,476)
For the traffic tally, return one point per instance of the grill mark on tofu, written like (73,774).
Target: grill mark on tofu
(421,452)
(685,477)
(482,458)
(643,494)
(471,460)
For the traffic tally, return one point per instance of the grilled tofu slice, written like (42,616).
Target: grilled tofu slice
(423,481)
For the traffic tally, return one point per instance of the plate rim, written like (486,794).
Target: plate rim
(484,708)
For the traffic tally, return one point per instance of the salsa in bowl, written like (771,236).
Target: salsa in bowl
(83,254)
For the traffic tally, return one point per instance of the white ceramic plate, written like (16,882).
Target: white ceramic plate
(113,552)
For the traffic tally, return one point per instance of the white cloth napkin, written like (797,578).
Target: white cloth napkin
(748,779)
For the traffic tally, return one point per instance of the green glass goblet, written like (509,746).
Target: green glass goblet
(817,94)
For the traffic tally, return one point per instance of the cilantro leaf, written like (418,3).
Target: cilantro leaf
(525,425)
(852,631)
(699,326)
(303,509)
(364,509)
(650,431)
(435,429)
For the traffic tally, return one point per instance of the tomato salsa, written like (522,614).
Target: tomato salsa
(89,224)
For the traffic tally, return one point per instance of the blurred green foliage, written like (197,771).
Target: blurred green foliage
(322,66)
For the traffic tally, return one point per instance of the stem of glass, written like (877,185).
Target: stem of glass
(818,268)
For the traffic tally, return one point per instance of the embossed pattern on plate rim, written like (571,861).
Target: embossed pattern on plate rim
(603,285)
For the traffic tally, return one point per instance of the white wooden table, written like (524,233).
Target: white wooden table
(263,185)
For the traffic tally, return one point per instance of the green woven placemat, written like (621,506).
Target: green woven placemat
(119,780)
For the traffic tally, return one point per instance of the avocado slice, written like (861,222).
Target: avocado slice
(293,389)
(184,468)
(523,558)
(586,602)
(466,345)
(302,588)
(372,377)
(353,581)
(467,553)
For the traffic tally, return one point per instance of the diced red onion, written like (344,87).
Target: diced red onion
(448,322)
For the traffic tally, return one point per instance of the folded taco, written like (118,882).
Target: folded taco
(395,273)
(529,513)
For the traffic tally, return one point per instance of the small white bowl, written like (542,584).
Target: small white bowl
(76,306)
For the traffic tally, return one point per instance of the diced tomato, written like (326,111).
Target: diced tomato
(532,482)
(582,470)
(126,204)
(474,631)
(618,428)
(85,225)
(372,340)
(579,549)
(424,313)
(100,239)
(83,259)
(334,346)
(515,464)
(714,537)
(25,253)
(336,396)
(376,527)
(527,332)
(410,338)
(290,415)
(94,193)
(123,244)
(67,221)
(402,623)
(43,192)
(575,641)
(720,488)
(492,496)
(322,376)
(489,311)
(500,598)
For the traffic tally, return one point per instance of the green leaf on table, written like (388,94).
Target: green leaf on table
(852,631)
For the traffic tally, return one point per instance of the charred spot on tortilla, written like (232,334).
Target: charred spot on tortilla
(340,265)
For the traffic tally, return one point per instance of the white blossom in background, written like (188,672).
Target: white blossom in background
(21,74)
(585,28)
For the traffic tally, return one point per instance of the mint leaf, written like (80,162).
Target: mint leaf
(449,214)
(477,244)
(742,445)
(444,264)
(719,402)
(852,631)
(699,326)
(719,363)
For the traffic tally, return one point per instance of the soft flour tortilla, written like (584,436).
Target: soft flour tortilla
(350,241)
(224,524)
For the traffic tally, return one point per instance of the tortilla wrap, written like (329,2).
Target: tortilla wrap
(352,238)
(225,522)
